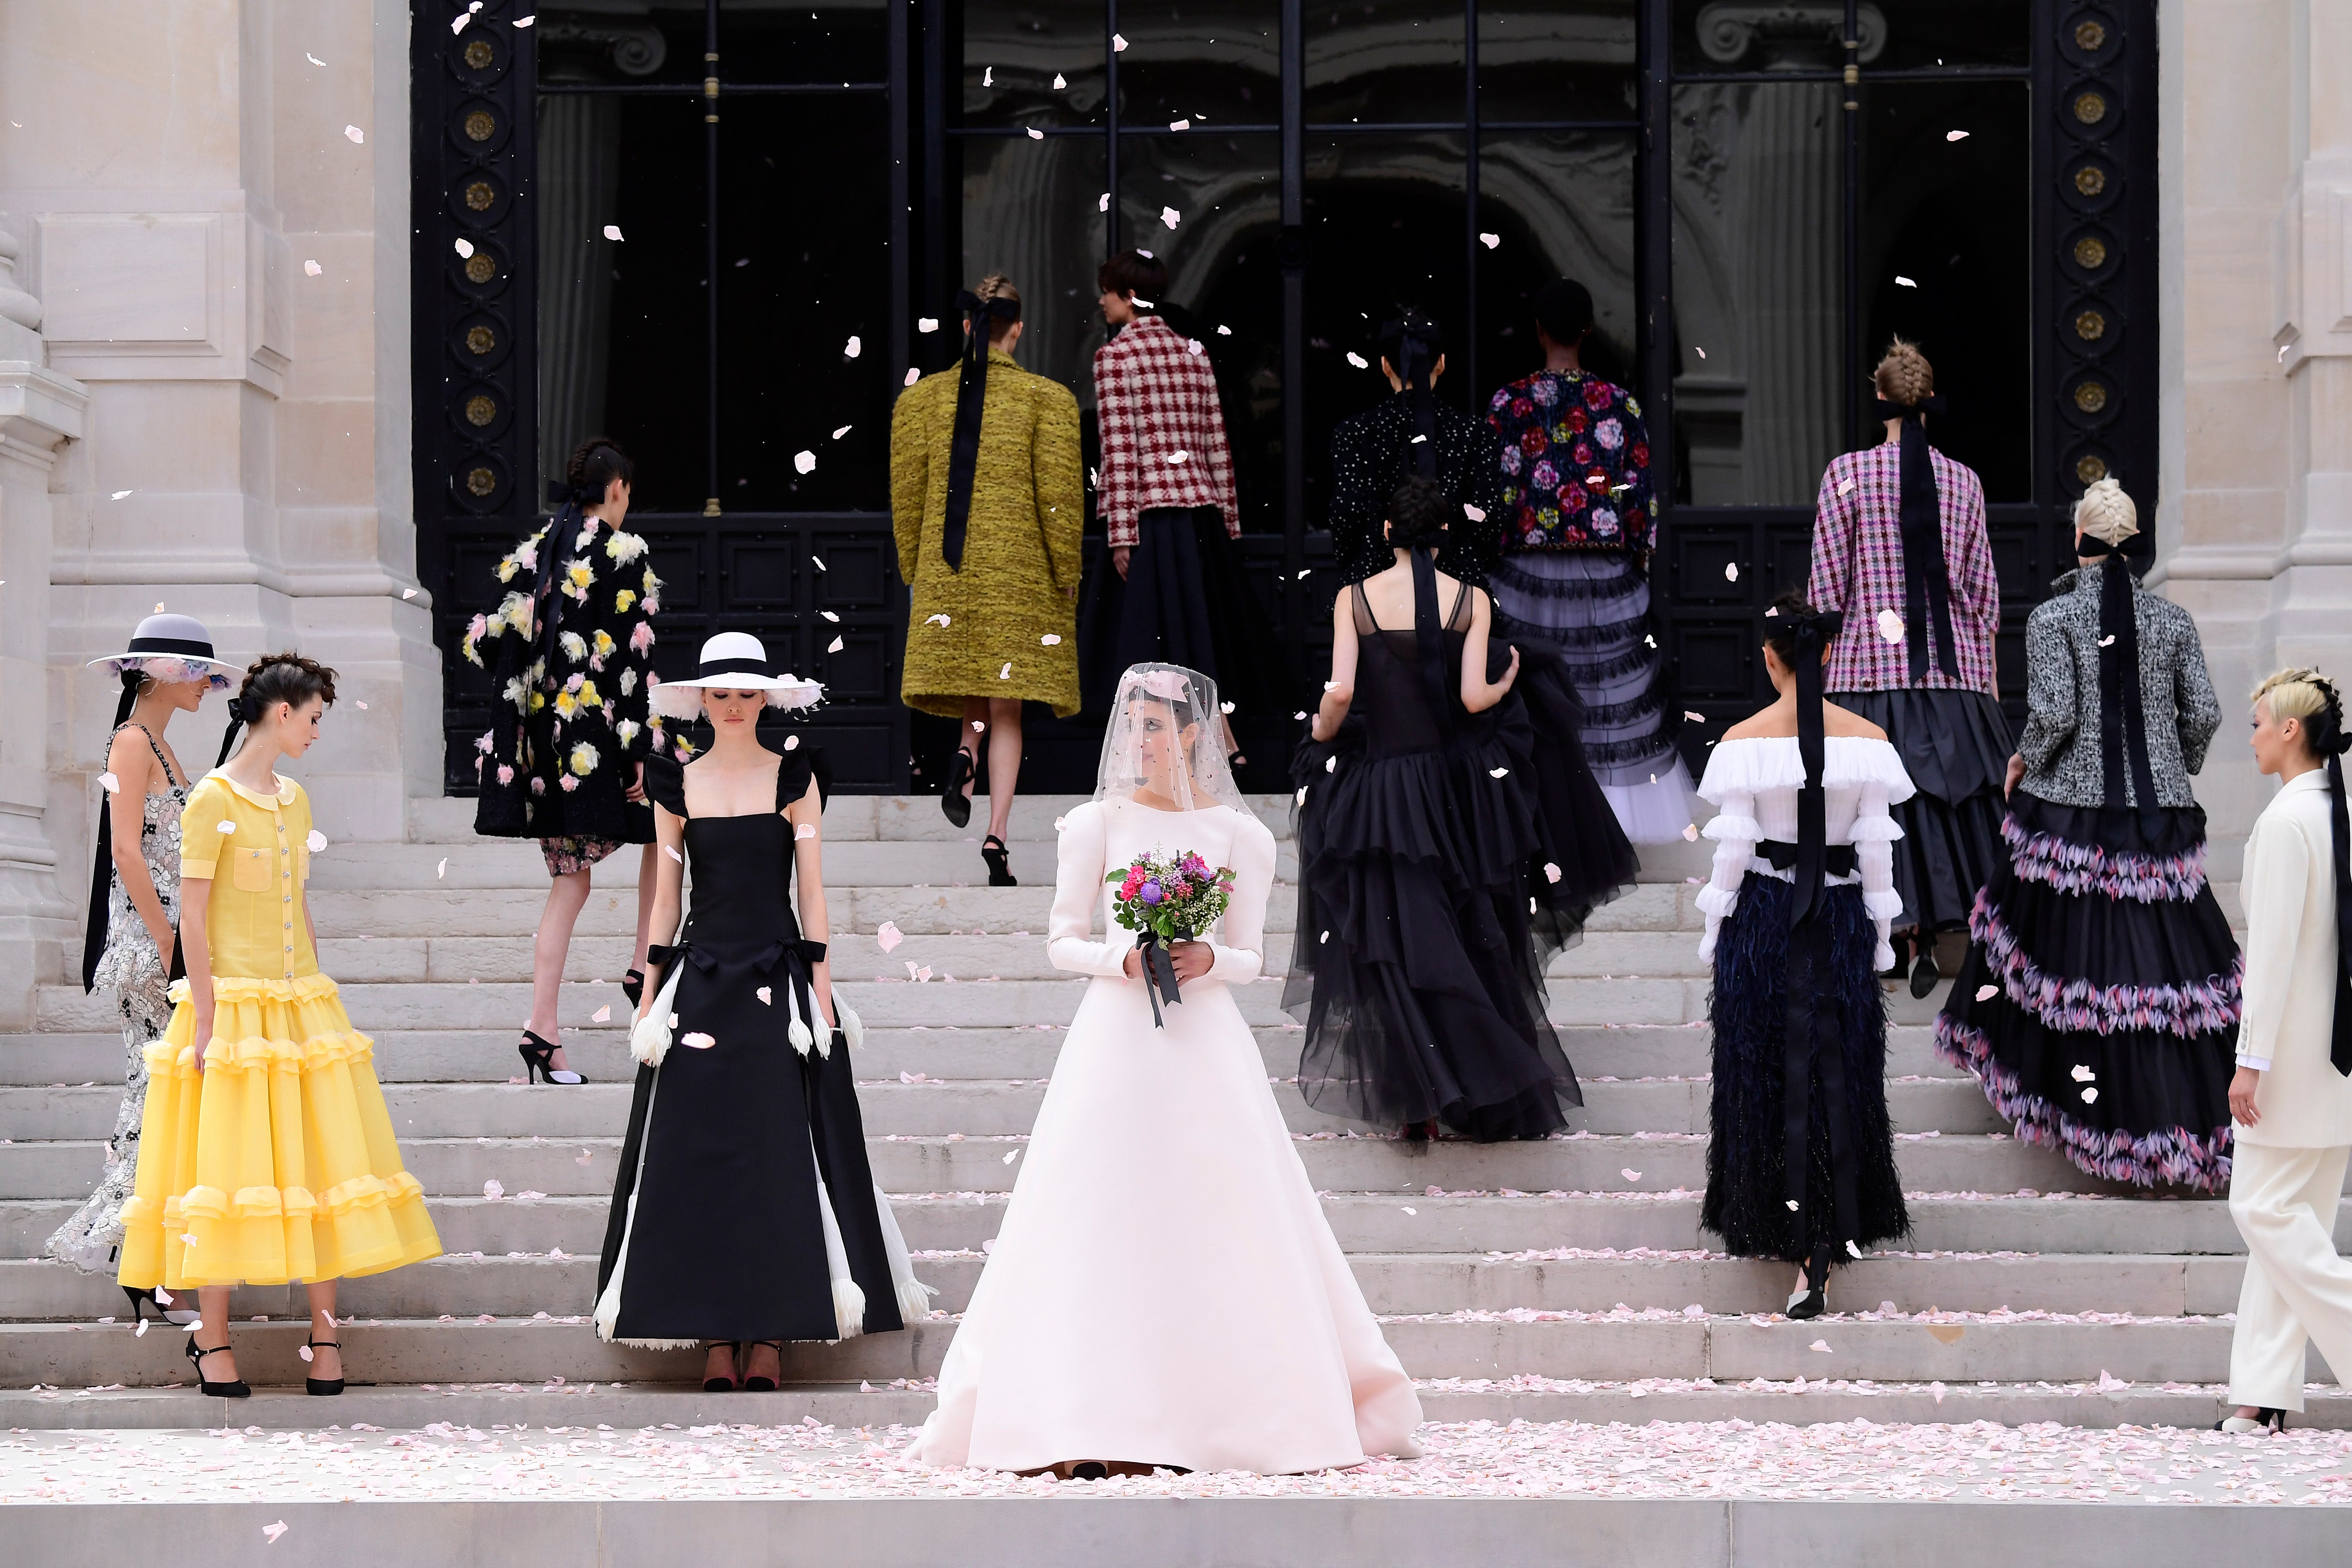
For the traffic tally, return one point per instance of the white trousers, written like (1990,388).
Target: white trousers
(2284,1203)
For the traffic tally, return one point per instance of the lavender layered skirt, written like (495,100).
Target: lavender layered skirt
(2108,1026)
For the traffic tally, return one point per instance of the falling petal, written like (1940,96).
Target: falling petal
(1178,126)
(1224,707)
(312,59)
(1490,240)
(1890,625)
(1631,1174)
(1852,1251)
(304,1352)
(270,1533)
(1102,202)
(852,349)
(118,496)
(766,995)
(1170,217)
(1793,1205)
(1821,1345)
(671,850)
(1731,570)
(1702,352)
(888,935)
(844,430)
(832,646)
(1903,281)
(312,268)
(987,76)
(1496,772)
(1691,717)
(696,1041)
(1955,135)
(805,830)
(804,461)
(791,742)
(1009,1158)
(1987,992)
(227,825)
(1690,832)
(2107,641)
(2083,1074)
(355,133)
(603,1014)
(935,620)
(1006,673)
(1051,639)
(1118,45)
(817,562)
(612,231)
(1474,513)
(1358,361)
(913,375)
(2090,1095)
(110,784)
(1551,872)
(1058,83)
(1035,134)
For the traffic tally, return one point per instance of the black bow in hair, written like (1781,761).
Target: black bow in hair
(244,710)
(1412,343)
(2340,833)
(972,396)
(2123,722)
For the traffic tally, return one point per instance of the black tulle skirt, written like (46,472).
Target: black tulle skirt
(1185,600)
(1433,888)
(2099,1002)
(1747,1161)
(1956,746)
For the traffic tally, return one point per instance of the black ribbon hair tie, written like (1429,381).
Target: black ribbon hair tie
(1412,343)
(2123,720)
(971,395)
(1928,596)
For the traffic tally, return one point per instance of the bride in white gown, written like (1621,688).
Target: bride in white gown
(1165,1289)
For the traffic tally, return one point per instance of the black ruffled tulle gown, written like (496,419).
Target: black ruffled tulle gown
(716,1230)
(1444,856)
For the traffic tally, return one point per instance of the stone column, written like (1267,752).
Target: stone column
(39,412)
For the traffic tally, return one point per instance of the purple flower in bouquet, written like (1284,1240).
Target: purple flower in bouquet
(1149,892)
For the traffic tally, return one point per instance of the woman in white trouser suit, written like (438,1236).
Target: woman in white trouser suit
(2291,1102)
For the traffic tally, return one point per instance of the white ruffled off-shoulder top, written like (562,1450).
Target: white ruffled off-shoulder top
(1753,783)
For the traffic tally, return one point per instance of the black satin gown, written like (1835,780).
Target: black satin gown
(726,1143)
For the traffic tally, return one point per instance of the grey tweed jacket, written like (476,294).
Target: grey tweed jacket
(2061,741)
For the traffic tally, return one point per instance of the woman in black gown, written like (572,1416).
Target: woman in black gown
(745,1212)
(1451,840)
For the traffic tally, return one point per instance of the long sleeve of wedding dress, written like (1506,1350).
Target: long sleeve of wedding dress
(1241,953)
(1078,893)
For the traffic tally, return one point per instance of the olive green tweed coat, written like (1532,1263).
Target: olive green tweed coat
(1010,615)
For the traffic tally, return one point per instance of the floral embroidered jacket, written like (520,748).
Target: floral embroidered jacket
(571,651)
(1575,465)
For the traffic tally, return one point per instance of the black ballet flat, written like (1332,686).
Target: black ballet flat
(955,804)
(536,1056)
(1925,976)
(1000,862)
(323,1386)
(722,1384)
(239,1389)
(755,1383)
(1814,1299)
(633,986)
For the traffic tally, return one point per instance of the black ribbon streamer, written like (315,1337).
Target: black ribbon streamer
(972,393)
(101,877)
(1158,972)
(2340,1049)
(1928,596)
(2123,720)
(1814,1043)
(1416,352)
(1429,639)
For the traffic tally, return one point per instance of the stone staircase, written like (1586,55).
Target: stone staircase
(1566,1279)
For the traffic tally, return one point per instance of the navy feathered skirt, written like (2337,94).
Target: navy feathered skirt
(1746,1186)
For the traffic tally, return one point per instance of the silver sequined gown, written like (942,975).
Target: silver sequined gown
(132,968)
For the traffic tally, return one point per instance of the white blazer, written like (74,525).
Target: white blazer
(2290,984)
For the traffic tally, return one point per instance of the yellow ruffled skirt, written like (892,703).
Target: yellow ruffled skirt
(277,1162)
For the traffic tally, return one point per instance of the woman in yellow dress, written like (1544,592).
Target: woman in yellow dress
(267,1155)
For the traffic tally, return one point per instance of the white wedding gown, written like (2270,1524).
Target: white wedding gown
(1164,1288)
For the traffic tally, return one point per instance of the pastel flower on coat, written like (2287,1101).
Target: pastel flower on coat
(641,638)
(579,577)
(652,584)
(482,742)
(518,692)
(604,642)
(574,646)
(538,700)
(514,610)
(587,536)
(567,781)
(626,730)
(588,695)
(622,600)
(538,785)
(628,681)
(584,759)
(566,704)
(574,681)
(625,547)
(505,772)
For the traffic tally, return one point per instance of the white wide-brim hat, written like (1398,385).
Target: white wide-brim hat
(172,648)
(733,661)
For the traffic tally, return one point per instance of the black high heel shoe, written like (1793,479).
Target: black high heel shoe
(955,804)
(723,1385)
(756,1382)
(1000,866)
(536,1054)
(1925,976)
(237,1389)
(633,986)
(1813,1299)
(323,1386)
(164,1307)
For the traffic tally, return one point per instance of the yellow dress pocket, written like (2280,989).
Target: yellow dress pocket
(249,870)
(301,863)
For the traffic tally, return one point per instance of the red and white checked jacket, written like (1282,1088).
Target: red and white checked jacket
(1163,434)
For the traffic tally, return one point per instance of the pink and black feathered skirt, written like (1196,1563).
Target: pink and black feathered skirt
(2099,1002)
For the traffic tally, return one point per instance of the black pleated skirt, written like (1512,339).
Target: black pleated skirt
(1956,746)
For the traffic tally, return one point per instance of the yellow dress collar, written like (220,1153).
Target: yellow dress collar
(287,790)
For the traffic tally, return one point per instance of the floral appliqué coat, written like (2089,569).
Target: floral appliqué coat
(571,649)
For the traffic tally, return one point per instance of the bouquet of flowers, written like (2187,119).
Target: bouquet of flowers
(1165,898)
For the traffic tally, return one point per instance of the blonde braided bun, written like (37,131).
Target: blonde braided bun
(997,286)
(2106,514)
(1905,376)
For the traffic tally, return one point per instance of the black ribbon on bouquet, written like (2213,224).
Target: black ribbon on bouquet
(1814,1042)
(1158,972)
(1927,598)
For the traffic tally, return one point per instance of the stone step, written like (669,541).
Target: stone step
(849,817)
(971,1000)
(506,1406)
(950,1220)
(1953,1348)
(601,1051)
(973,1107)
(43,1290)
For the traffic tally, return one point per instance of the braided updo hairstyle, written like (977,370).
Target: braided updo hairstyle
(272,679)
(595,463)
(997,286)
(1419,514)
(2310,697)
(1781,624)
(1904,377)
